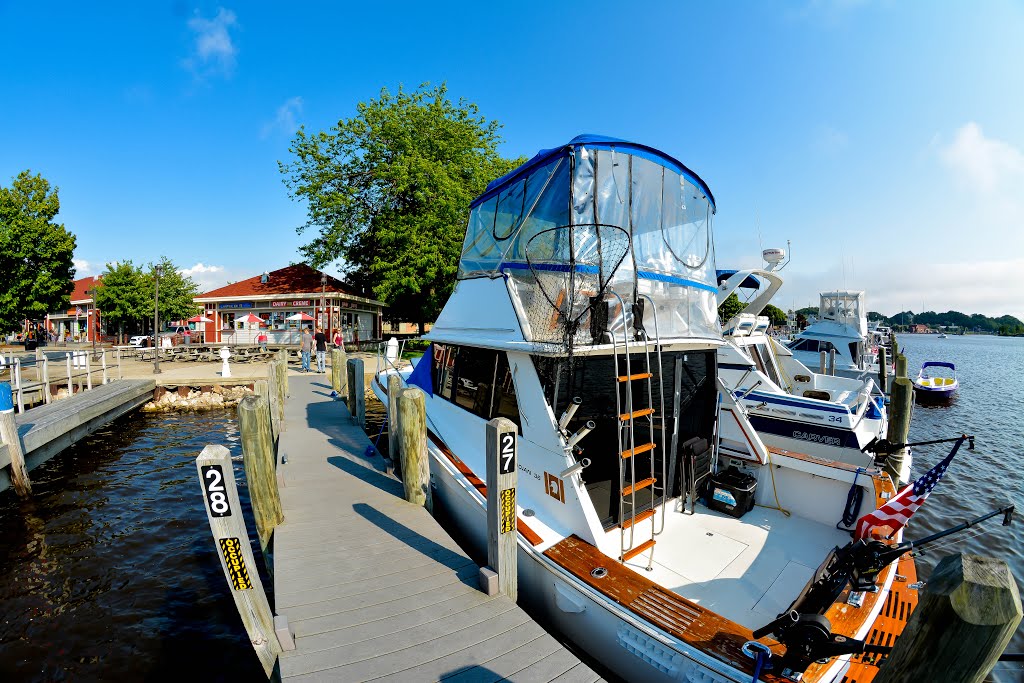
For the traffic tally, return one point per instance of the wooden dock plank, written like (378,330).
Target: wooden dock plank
(372,587)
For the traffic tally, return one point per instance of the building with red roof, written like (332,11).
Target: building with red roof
(76,320)
(278,297)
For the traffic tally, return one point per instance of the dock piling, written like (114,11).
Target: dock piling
(259,461)
(10,437)
(231,541)
(394,438)
(968,612)
(17,378)
(832,362)
(88,370)
(883,371)
(46,380)
(822,362)
(357,391)
(71,385)
(901,404)
(901,365)
(415,464)
(502,475)
(103,364)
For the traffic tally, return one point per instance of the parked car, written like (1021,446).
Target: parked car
(141,340)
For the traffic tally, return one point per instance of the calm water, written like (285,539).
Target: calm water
(109,572)
(990,406)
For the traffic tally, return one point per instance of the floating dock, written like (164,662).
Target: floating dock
(48,429)
(372,587)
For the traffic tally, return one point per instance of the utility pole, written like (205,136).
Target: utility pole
(156,322)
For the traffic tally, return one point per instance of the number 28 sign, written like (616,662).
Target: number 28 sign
(507,453)
(216,493)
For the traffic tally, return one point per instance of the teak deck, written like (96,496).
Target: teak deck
(371,585)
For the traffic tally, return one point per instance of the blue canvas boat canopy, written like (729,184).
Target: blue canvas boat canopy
(594,215)
(594,142)
(937,364)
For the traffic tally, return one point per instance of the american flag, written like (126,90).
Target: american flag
(897,511)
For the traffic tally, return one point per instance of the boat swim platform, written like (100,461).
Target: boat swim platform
(48,429)
(371,585)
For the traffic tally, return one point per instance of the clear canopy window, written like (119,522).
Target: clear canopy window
(599,215)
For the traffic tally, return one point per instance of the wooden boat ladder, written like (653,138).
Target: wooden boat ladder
(628,413)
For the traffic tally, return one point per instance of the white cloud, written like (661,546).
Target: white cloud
(284,122)
(981,163)
(891,287)
(213,50)
(84,268)
(207,277)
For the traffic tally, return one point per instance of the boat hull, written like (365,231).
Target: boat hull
(934,395)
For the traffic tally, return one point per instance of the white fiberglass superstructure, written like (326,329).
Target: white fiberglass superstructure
(765,389)
(841,333)
(585,312)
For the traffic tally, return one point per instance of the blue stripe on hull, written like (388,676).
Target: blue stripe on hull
(826,436)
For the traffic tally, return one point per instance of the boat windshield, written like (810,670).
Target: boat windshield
(612,216)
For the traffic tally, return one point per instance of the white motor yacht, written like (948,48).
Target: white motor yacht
(840,336)
(585,313)
(766,389)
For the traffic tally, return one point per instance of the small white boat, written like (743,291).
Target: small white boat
(936,382)
(585,312)
(942,335)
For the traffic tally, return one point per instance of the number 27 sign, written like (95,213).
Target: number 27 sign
(507,453)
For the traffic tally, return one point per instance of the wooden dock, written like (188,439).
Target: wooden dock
(48,429)
(371,585)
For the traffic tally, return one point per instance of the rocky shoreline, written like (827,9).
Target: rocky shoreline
(193,399)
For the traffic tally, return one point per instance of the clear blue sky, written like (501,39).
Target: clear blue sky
(884,139)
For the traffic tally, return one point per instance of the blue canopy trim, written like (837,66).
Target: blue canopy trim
(750,283)
(596,142)
(642,274)
(937,364)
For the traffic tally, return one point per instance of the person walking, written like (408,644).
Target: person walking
(321,350)
(306,347)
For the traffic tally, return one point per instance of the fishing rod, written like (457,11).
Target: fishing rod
(803,628)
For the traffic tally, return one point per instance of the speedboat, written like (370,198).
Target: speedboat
(766,389)
(585,312)
(936,382)
(839,341)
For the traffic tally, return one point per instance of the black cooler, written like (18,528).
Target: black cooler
(732,492)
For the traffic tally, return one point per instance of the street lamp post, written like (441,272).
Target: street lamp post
(156,322)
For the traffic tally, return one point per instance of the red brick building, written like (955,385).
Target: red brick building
(276,295)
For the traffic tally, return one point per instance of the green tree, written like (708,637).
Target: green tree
(36,270)
(177,292)
(388,193)
(730,307)
(775,314)
(125,295)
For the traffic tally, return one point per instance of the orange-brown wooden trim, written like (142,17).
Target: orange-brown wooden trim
(899,605)
(529,534)
(669,611)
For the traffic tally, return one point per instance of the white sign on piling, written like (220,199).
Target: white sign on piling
(231,541)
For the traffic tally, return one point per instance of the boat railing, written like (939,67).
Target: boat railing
(384,362)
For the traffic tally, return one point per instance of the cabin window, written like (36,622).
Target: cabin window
(855,352)
(476,380)
(474,372)
(444,370)
(805,345)
(505,402)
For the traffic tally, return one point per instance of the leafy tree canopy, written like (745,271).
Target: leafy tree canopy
(730,307)
(125,294)
(36,270)
(177,292)
(388,193)
(775,314)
